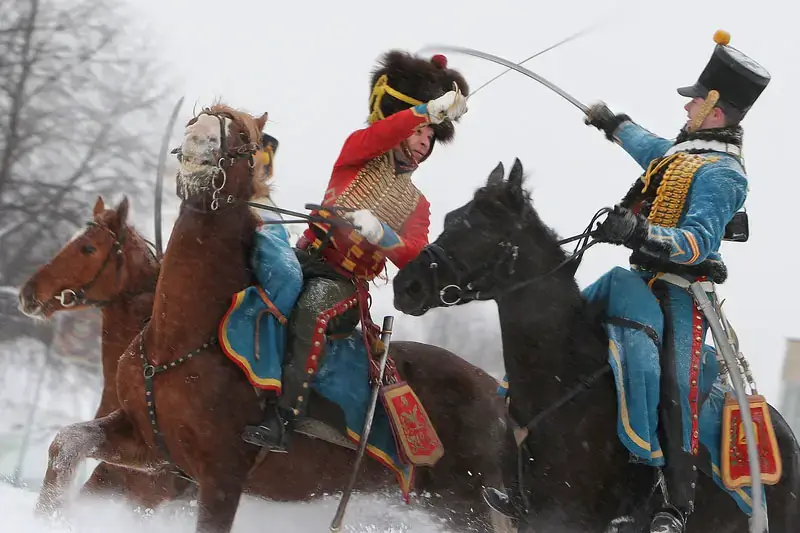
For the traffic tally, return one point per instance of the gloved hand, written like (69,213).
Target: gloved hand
(451,105)
(366,224)
(622,226)
(602,118)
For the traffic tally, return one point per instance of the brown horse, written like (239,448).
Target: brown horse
(108,265)
(185,405)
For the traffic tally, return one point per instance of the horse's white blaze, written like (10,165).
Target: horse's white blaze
(200,153)
(201,141)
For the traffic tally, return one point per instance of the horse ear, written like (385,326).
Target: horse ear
(122,211)
(496,176)
(515,177)
(262,121)
(99,206)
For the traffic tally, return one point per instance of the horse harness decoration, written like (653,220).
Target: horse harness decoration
(71,297)
(226,158)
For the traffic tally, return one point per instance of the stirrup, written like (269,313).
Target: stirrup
(500,502)
(272,433)
(668,521)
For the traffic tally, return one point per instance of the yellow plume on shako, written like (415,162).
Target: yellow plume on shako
(722,37)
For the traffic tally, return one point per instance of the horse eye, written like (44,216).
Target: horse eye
(88,249)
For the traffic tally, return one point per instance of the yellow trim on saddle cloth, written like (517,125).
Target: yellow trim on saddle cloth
(236,357)
(405,481)
(382,88)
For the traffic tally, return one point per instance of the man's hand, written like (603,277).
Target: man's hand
(602,118)
(622,226)
(366,224)
(451,105)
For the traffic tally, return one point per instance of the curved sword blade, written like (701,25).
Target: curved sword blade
(513,66)
(162,159)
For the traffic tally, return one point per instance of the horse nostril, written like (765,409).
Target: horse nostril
(414,288)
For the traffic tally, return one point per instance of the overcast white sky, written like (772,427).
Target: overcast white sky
(308,63)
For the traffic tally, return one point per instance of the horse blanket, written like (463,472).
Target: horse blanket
(253,335)
(634,359)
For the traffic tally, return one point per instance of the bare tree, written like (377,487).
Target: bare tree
(471,331)
(82,105)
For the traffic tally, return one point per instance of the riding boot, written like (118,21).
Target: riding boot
(679,475)
(274,431)
(304,356)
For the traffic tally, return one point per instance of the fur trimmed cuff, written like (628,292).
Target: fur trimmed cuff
(610,127)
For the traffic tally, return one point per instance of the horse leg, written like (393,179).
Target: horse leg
(141,489)
(111,439)
(220,489)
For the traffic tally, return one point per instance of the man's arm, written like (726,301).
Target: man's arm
(640,144)
(378,138)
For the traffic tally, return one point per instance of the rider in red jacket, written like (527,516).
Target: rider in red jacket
(414,103)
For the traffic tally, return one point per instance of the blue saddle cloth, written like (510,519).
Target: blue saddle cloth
(637,374)
(253,335)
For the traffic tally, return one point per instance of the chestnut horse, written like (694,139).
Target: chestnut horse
(109,266)
(185,405)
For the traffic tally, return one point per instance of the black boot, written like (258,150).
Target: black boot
(507,505)
(273,432)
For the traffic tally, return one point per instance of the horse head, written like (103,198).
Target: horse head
(92,268)
(486,247)
(223,158)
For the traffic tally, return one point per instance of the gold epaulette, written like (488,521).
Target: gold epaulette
(674,188)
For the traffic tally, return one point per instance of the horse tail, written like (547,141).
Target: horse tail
(785,495)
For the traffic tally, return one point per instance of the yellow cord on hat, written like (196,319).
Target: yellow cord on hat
(378,91)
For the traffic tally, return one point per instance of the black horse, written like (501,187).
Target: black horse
(578,476)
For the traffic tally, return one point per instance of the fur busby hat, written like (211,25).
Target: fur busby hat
(402,80)
(737,79)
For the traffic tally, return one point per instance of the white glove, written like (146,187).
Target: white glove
(450,105)
(366,223)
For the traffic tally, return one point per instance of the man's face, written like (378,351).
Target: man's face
(419,143)
(693,108)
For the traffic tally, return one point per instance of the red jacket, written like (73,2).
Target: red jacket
(364,177)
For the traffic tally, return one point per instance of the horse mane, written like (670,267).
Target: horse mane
(261,176)
(511,197)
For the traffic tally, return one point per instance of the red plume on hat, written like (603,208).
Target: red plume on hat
(409,80)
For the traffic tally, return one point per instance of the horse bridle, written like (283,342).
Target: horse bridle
(226,158)
(491,269)
(72,297)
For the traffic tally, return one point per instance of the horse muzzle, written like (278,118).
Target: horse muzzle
(29,305)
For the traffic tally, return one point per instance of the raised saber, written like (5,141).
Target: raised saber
(386,335)
(162,159)
(759,521)
(537,54)
(513,66)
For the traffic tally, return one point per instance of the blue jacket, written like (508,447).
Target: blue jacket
(718,190)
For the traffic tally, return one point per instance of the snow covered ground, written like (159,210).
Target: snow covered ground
(364,514)
(69,396)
